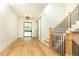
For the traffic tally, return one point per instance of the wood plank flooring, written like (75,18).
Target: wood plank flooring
(28,48)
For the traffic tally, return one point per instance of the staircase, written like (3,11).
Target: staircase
(64,46)
(74,27)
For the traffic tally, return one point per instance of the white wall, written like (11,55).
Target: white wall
(51,16)
(21,21)
(8,26)
(55,13)
(34,27)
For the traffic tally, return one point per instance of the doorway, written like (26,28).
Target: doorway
(27,29)
(39,28)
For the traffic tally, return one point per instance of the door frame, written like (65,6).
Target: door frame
(23,29)
(39,28)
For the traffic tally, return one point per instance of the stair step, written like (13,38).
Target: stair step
(73,25)
(77,22)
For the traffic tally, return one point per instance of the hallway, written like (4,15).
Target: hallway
(52,27)
(27,48)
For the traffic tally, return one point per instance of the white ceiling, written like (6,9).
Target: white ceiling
(32,9)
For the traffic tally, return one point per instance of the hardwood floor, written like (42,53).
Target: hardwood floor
(28,48)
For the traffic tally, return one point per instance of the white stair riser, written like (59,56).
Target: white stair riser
(75,26)
(77,22)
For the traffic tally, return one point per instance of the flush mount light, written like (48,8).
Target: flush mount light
(27,17)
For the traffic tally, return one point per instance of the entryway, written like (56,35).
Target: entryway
(27,32)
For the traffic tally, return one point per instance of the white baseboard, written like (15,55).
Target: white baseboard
(5,44)
(44,43)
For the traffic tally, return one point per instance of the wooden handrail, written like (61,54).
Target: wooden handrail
(59,34)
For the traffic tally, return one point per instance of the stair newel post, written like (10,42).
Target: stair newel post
(68,43)
(50,38)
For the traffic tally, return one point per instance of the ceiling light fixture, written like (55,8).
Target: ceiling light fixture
(28,17)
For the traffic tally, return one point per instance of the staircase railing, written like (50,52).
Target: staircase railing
(70,20)
(75,15)
(64,25)
(75,49)
(58,43)
(63,44)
